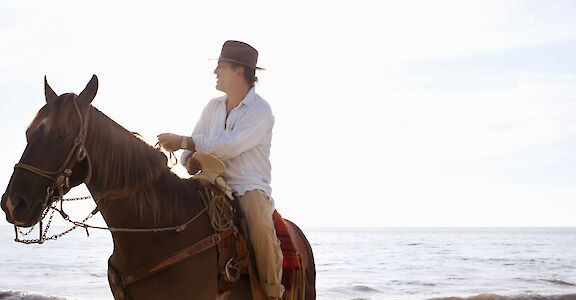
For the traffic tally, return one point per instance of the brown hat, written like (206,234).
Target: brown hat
(240,53)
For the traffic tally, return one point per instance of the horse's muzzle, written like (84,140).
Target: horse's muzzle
(7,207)
(15,209)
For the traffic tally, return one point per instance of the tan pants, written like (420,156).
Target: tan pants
(258,209)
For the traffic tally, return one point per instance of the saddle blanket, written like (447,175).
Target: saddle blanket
(291,257)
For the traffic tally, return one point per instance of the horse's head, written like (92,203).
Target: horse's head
(55,158)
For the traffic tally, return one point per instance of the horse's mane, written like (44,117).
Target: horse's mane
(132,170)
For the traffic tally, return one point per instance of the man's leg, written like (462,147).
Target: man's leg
(258,209)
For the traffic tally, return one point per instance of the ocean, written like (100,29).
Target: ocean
(351,263)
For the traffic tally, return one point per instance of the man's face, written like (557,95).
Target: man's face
(226,75)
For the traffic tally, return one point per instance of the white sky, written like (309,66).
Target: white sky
(388,113)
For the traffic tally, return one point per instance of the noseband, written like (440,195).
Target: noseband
(61,178)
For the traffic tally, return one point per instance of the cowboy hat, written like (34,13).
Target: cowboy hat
(240,53)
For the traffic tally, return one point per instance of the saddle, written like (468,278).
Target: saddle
(235,255)
(212,172)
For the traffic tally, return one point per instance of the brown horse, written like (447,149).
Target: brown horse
(69,143)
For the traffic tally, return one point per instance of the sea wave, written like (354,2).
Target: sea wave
(363,289)
(559,282)
(516,297)
(10,295)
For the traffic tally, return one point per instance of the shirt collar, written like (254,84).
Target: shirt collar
(249,98)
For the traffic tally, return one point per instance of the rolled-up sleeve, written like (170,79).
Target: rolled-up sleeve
(247,133)
(184,156)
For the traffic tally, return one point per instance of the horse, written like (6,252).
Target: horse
(136,193)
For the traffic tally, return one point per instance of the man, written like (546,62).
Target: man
(237,128)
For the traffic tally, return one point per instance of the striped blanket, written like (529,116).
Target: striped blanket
(291,261)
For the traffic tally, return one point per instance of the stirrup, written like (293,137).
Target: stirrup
(232,271)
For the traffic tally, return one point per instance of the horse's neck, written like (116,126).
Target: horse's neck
(152,201)
(124,168)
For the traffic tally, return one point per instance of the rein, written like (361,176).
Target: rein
(223,227)
(61,180)
(176,228)
(43,231)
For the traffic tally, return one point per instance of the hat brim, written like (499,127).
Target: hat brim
(239,62)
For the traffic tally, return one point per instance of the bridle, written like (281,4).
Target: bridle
(61,178)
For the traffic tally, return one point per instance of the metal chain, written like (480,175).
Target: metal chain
(43,233)
(52,208)
(216,214)
(57,198)
(76,224)
(19,229)
(176,228)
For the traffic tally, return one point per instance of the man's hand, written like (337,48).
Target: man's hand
(192,165)
(170,141)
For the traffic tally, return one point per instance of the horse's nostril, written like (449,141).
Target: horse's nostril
(14,206)
(14,202)
(10,205)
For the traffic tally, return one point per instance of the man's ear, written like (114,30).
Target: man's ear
(234,66)
(240,70)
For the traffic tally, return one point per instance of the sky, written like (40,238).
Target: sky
(388,113)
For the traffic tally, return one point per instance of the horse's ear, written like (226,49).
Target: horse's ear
(89,91)
(50,95)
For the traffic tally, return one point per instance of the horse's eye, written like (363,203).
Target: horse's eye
(61,134)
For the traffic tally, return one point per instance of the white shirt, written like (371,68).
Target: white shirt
(242,141)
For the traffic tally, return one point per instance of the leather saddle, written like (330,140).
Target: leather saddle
(235,253)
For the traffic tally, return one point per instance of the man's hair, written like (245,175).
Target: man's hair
(249,73)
